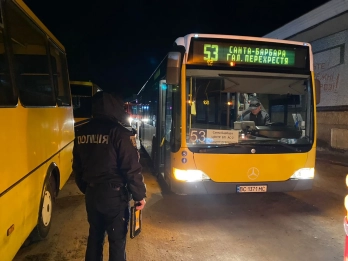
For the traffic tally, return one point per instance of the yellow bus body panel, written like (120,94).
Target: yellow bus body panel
(32,139)
(236,167)
(77,120)
(225,168)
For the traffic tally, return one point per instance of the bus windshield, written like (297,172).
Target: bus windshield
(248,108)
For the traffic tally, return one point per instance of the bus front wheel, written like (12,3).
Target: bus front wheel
(45,212)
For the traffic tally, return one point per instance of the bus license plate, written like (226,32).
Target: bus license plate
(246,189)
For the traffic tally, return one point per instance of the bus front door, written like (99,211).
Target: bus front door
(165,127)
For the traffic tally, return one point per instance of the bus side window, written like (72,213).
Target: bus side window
(7,94)
(60,76)
(31,66)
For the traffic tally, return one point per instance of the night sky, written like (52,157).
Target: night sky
(118,44)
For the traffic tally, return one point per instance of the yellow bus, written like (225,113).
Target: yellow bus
(82,93)
(194,107)
(37,130)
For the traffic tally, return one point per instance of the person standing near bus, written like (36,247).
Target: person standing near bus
(107,170)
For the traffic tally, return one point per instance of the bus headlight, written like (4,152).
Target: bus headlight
(305,173)
(190,175)
(346,202)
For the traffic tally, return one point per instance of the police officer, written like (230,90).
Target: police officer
(107,171)
(255,113)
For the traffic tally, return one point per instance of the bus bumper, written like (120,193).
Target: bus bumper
(211,187)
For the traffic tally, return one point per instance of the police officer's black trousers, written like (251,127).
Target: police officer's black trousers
(107,211)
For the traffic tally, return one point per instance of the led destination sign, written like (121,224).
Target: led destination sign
(217,52)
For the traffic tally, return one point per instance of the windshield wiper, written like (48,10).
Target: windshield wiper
(255,142)
(211,147)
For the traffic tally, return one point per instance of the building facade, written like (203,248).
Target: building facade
(326,29)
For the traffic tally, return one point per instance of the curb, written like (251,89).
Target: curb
(334,162)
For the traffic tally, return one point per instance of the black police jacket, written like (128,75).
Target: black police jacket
(105,152)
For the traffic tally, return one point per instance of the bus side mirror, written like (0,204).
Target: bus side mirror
(317,91)
(173,68)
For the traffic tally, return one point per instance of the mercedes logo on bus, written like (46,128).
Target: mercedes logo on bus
(253,173)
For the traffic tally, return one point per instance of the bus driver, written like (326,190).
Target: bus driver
(255,113)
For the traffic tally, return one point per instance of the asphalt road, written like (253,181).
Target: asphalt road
(272,226)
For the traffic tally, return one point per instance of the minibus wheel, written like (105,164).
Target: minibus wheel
(45,212)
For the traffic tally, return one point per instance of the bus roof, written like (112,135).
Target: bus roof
(186,40)
(317,16)
(36,20)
